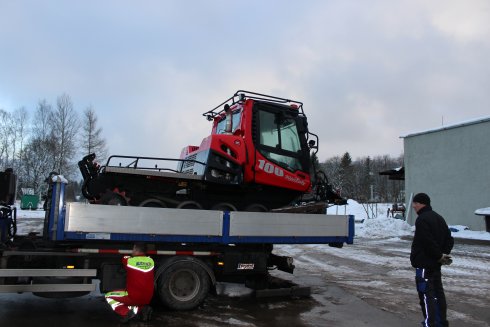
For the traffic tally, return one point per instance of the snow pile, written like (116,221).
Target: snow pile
(483,212)
(383,227)
(378,225)
(232,290)
(459,231)
(358,210)
(372,220)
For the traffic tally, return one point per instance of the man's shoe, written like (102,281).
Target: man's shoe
(130,315)
(146,313)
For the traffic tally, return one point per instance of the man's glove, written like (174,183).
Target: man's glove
(445,259)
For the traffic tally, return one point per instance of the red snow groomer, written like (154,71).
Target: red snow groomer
(257,158)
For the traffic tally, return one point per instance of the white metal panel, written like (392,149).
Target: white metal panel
(141,220)
(48,272)
(47,288)
(287,224)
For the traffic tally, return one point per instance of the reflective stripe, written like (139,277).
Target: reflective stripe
(114,306)
(420,272)
(426,307)
(144,264)
(134,309)
(159,252)
(113,303)
(116,294)
(140,269)
(111,298)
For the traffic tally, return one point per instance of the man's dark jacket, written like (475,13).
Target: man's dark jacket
(432,238)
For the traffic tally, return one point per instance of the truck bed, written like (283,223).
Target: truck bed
(86,221)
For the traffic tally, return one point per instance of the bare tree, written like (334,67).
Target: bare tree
(43,135)
(20,130)
(332,168)
(10,136)
(4,138)
(37,163)
(356,179)
(92,140)
(42,124)
(65,128)
(39,154)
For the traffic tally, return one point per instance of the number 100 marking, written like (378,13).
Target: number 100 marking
(270,168)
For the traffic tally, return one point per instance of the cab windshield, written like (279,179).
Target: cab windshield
(279,140)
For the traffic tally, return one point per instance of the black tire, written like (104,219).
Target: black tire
(183,286)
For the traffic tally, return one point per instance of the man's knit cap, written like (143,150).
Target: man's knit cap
(422,198)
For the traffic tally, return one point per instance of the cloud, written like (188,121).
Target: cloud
(464,21)
(367,72)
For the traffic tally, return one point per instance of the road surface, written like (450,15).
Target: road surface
(369,283)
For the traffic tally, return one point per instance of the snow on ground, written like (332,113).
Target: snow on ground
(29,220)
(372,222)
(464,232)
(378,249)
(30,214)
(377,269)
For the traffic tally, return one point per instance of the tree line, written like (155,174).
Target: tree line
(360,180)
(52,139)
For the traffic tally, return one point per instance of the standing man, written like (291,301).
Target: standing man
(431,246)
(134,300)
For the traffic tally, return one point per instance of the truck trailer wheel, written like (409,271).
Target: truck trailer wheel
(183,286)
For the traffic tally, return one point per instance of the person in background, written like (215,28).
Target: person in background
(432,244)
(134,300)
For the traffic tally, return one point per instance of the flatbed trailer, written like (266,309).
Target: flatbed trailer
(192,249)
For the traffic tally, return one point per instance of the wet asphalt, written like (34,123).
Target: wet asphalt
(329,305)
(344,292)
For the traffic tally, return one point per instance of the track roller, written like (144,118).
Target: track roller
(224,206)
(189,205)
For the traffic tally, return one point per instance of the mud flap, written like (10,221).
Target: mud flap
(113,277)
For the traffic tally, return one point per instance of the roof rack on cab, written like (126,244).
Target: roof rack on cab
(242,95)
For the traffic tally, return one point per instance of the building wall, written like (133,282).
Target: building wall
(453,167)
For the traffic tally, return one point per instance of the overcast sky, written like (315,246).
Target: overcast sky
(367,71)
